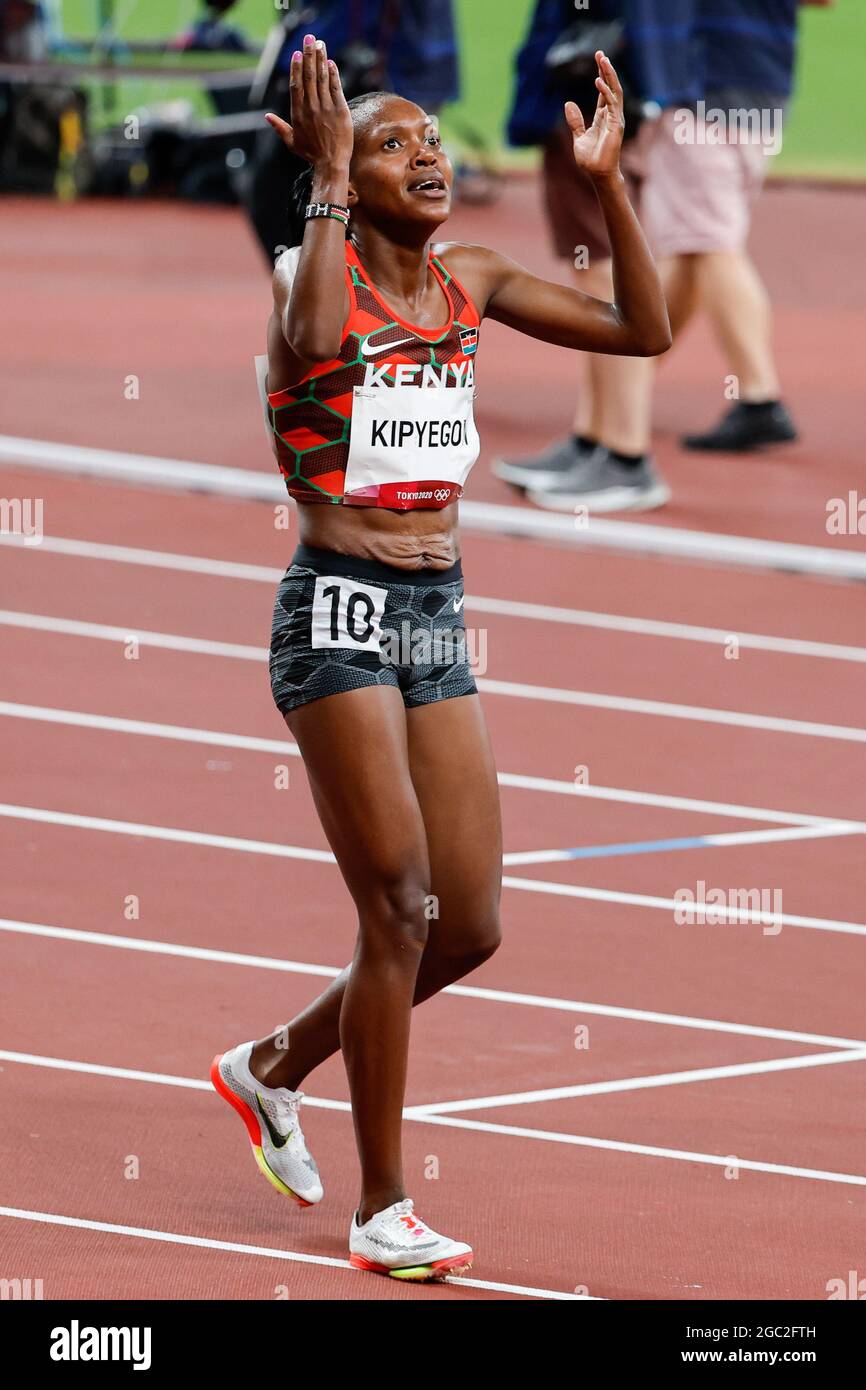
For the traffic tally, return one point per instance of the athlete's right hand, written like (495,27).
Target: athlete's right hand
(321,129)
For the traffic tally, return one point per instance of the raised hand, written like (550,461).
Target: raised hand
(321,128)
(596,150)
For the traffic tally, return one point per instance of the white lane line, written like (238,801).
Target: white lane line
(171,948)
(728,914)
(632,797)
(105,632)
(653,627)
(267,1251)
(517,689)
(640,1083)
(156,1078)
(179,733)
(164,832)
(150,559)
(805,832)
(496,996)
(525,885)
(701,714)
(180,475)
(550,1136)
(511,608)
(734,837)
(585,1141)
(183,733)
(177,475)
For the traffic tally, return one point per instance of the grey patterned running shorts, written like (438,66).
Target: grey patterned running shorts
(342,623)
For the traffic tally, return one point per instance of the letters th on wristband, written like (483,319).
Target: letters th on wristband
(335,210)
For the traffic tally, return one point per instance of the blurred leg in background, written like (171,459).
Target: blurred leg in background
(698,198)
(615,400)
(605,464)
(733,295)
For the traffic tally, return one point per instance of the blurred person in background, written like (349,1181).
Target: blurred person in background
(695,200)
(699,198)
(23,31)
(22,40)
(211,34)
(606,457)
(42,120)
(407,46)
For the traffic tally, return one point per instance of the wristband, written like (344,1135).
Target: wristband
(335,210)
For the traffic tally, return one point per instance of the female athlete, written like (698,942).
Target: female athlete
(371,351)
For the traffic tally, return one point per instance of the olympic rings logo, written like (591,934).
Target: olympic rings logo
(442,494)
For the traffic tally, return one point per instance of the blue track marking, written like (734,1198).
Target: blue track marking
(772,835)
(637,847)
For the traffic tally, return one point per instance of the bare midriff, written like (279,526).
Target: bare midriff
(412,540)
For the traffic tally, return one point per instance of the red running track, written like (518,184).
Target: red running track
(679,1163)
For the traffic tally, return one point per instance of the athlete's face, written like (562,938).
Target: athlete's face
(400,171)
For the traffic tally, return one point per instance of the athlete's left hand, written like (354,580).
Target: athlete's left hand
(597,150)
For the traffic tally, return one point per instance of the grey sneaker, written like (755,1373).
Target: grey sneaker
(600,484)
(543,470)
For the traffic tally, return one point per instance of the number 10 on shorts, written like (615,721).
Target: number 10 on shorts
(347,613)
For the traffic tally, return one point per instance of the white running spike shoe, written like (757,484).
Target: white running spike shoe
(397,1243)
(273,1125)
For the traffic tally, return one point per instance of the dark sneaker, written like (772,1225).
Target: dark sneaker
(541,470)
(601,484)
(747,427)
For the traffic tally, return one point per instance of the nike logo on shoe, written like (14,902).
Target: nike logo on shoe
(367,351)
(278,1140)
(458,603)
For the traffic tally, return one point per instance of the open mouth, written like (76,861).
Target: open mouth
(430,186)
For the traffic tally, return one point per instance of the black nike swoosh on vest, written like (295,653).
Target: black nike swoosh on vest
(278,1140)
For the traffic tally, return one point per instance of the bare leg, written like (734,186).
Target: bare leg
(679,275)
(354,748)
(734,296)
(615,405)
(458,799)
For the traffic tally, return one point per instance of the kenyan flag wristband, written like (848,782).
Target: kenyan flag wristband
(335,210)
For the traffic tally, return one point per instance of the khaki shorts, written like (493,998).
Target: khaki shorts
(698,197)
(573,211)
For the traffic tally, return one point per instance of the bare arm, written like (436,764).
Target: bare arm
(636,323)
(311,309)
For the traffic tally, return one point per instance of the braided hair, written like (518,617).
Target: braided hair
(302,189)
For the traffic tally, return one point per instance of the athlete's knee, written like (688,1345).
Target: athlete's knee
(486,939)
(479,940)
(394,913)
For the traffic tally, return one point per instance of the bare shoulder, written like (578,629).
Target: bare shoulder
(478,268)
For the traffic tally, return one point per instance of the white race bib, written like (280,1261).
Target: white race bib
(410,445)
(347,613)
